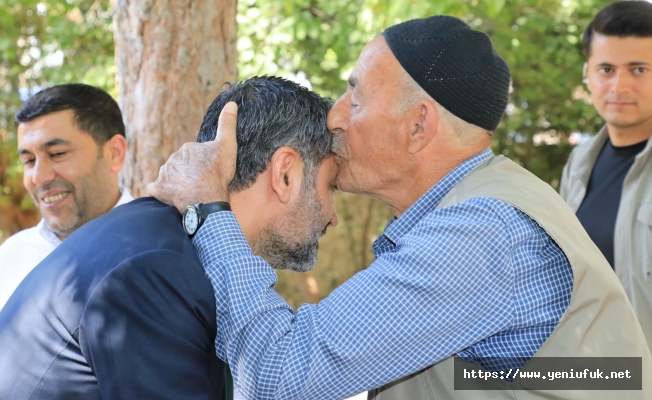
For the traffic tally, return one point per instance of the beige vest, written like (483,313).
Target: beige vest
(599,321)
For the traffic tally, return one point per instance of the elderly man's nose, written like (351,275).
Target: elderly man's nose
(338,116)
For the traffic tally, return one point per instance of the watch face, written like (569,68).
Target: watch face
(190,220)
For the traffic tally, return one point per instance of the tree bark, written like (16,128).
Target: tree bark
(172,58)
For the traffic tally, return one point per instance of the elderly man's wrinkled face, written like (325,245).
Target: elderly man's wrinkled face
(365,123)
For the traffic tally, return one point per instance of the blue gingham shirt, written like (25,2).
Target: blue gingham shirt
(479,279)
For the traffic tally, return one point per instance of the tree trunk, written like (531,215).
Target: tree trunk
(172,59)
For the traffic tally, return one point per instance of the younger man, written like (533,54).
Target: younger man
(607,181)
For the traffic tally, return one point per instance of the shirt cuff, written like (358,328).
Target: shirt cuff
(221,237)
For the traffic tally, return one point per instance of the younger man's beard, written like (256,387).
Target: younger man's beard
(292,243)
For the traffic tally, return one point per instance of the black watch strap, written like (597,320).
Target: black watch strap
(201,211)
(216,206)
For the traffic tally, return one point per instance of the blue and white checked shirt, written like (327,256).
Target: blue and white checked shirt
(479,279)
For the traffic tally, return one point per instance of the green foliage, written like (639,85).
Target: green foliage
(320,39)
(541,41)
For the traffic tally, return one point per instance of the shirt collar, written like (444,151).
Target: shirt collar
(431,199)
(126,197)
(51,237)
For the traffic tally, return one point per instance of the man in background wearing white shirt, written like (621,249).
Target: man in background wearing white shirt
(71,141)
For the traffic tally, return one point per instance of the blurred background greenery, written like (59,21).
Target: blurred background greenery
(43,43)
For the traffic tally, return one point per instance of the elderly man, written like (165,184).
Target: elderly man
(71,141)
(483,263)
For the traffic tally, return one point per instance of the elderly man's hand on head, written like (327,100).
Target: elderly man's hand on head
(200,172)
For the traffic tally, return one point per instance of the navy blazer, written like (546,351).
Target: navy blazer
(120,310)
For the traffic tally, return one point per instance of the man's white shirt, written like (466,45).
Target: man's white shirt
(20,253)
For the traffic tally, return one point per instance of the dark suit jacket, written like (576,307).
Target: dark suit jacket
(121,309)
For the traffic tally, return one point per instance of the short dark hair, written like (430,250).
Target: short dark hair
(96,113)
(622,19)
(272,113)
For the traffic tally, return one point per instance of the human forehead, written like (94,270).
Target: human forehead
(376,65)
(620,50)
(327,169)
(58,126)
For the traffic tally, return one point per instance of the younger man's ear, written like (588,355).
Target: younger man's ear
(585,79)
(286,168)
(115,152)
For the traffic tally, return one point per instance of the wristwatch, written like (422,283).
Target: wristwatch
(194,216)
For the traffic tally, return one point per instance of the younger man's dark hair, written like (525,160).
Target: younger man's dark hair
(96,113)
(272,113)
(622,19)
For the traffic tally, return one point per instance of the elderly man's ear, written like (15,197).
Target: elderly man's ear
(286,174)
(115,152)
(423,119)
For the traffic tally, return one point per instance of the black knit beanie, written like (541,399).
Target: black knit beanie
(454,64)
